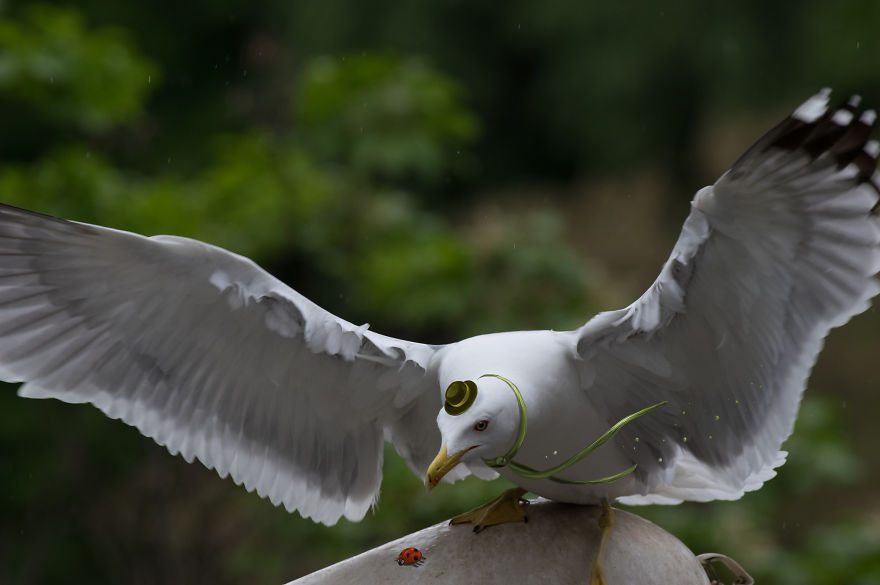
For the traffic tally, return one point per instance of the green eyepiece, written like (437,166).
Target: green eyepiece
(459,397)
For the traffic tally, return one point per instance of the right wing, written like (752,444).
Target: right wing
(783,248)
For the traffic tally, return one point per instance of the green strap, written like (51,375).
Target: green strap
(520,436)
(506,460)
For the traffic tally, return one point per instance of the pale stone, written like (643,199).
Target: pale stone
(556,547)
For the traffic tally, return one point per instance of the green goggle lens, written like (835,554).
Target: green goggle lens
(459,397)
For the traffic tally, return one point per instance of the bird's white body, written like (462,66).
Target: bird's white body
(214,358)
(561,418)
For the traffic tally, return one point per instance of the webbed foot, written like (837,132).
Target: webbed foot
(508,507)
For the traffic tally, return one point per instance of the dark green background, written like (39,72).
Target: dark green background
(439,169)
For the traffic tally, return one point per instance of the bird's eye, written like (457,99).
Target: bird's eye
(481,425)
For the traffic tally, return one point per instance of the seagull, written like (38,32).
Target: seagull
(686,394)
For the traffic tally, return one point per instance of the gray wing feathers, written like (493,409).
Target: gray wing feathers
(780,250)
(209,355)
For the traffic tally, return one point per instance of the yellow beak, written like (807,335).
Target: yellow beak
(441,466)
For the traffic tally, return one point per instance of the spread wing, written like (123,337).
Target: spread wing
(780,250)
(212,357)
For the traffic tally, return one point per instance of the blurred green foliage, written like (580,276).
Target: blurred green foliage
(384,117)
(409,164)
(70,75)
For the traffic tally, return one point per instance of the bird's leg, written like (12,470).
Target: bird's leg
(505,508)
(606,521)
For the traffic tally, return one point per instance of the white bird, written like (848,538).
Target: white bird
(693,387)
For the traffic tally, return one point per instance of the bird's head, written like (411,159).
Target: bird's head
(480,420)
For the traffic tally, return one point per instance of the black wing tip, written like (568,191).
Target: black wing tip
(841,133)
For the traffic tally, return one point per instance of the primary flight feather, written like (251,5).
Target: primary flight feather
(211,356)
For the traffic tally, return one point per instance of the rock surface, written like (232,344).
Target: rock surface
(556,547)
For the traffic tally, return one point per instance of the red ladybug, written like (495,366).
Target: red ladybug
(410,556)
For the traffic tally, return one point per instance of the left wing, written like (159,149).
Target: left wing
(780,250)
(211,356)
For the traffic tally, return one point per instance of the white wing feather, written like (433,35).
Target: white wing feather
(780,250)
(214,358)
